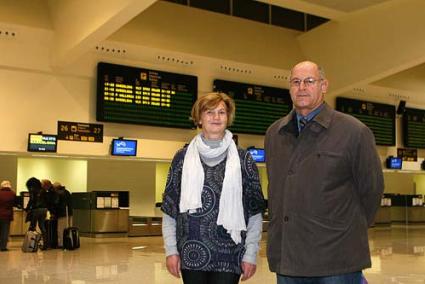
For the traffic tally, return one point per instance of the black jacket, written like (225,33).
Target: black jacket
(64,200)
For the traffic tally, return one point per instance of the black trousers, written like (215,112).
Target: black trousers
(208,277)
(4,233)
(38,218)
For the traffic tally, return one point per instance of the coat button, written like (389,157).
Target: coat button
(290,172)
(286,219)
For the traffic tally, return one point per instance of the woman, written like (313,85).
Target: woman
(212,202)
(37,208)
(7,201)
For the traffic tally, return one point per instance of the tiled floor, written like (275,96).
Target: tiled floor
(397,256)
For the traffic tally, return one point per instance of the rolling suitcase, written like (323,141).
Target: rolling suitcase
(71,236)
(31,241)
(52,233)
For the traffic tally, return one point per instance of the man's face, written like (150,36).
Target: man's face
(307,89)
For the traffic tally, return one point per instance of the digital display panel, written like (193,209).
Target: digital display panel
(257,107)
(42,143)
(394,163)
(409,155)
(80,131)
(380,118)
(142,96)
(414,128)
(257,154)
(124,147)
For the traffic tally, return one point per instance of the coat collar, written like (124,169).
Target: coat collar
(322,119)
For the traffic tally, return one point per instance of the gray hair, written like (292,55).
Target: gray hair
(6,184)
(321,72)
(319,68)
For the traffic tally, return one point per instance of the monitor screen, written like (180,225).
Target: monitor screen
(124,147)
(42,142)
(257,154)
(394,163)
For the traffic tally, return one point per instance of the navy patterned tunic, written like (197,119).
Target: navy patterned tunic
(202,244)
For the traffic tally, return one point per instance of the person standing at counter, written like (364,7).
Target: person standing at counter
(51,196)
(63,210)
(213,202)
(7,201)
(325,186)
(37,208)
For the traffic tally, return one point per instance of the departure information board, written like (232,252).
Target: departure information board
(257,107)
(414,128)
(380,118)
(141,96)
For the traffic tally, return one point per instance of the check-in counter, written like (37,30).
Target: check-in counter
(408,209)
(383,215)
(100,213)
(98,221)
(139,226)
(18,227)
(416,214)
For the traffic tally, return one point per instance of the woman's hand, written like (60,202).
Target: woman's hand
(173,265)
(248,270)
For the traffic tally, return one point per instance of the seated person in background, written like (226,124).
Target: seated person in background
(64,204)
(7,201)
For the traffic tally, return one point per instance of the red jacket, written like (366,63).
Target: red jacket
(7,201)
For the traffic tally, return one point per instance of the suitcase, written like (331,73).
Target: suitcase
(52,233)
(71,236)
(31,241)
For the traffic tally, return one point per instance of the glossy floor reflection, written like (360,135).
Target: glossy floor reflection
(397,256)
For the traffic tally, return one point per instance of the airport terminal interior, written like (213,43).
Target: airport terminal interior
(397,257)
(80,78)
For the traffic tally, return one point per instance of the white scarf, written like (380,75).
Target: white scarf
(230,213)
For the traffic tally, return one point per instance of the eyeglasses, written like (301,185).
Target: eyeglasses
(308,82)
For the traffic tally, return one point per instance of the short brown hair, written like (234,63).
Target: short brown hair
(210,101)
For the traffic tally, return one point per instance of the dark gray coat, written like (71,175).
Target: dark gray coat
(324,190)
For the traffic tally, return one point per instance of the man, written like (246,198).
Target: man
(325,185)
(52,197)
(63,210)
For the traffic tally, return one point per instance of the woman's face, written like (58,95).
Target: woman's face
(214,122)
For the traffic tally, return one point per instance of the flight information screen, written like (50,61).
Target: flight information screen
(414,128)
(142,96)
(42,142)
(257,107)
(380,118)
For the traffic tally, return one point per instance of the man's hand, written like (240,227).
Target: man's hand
(173,265)
(248,270)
